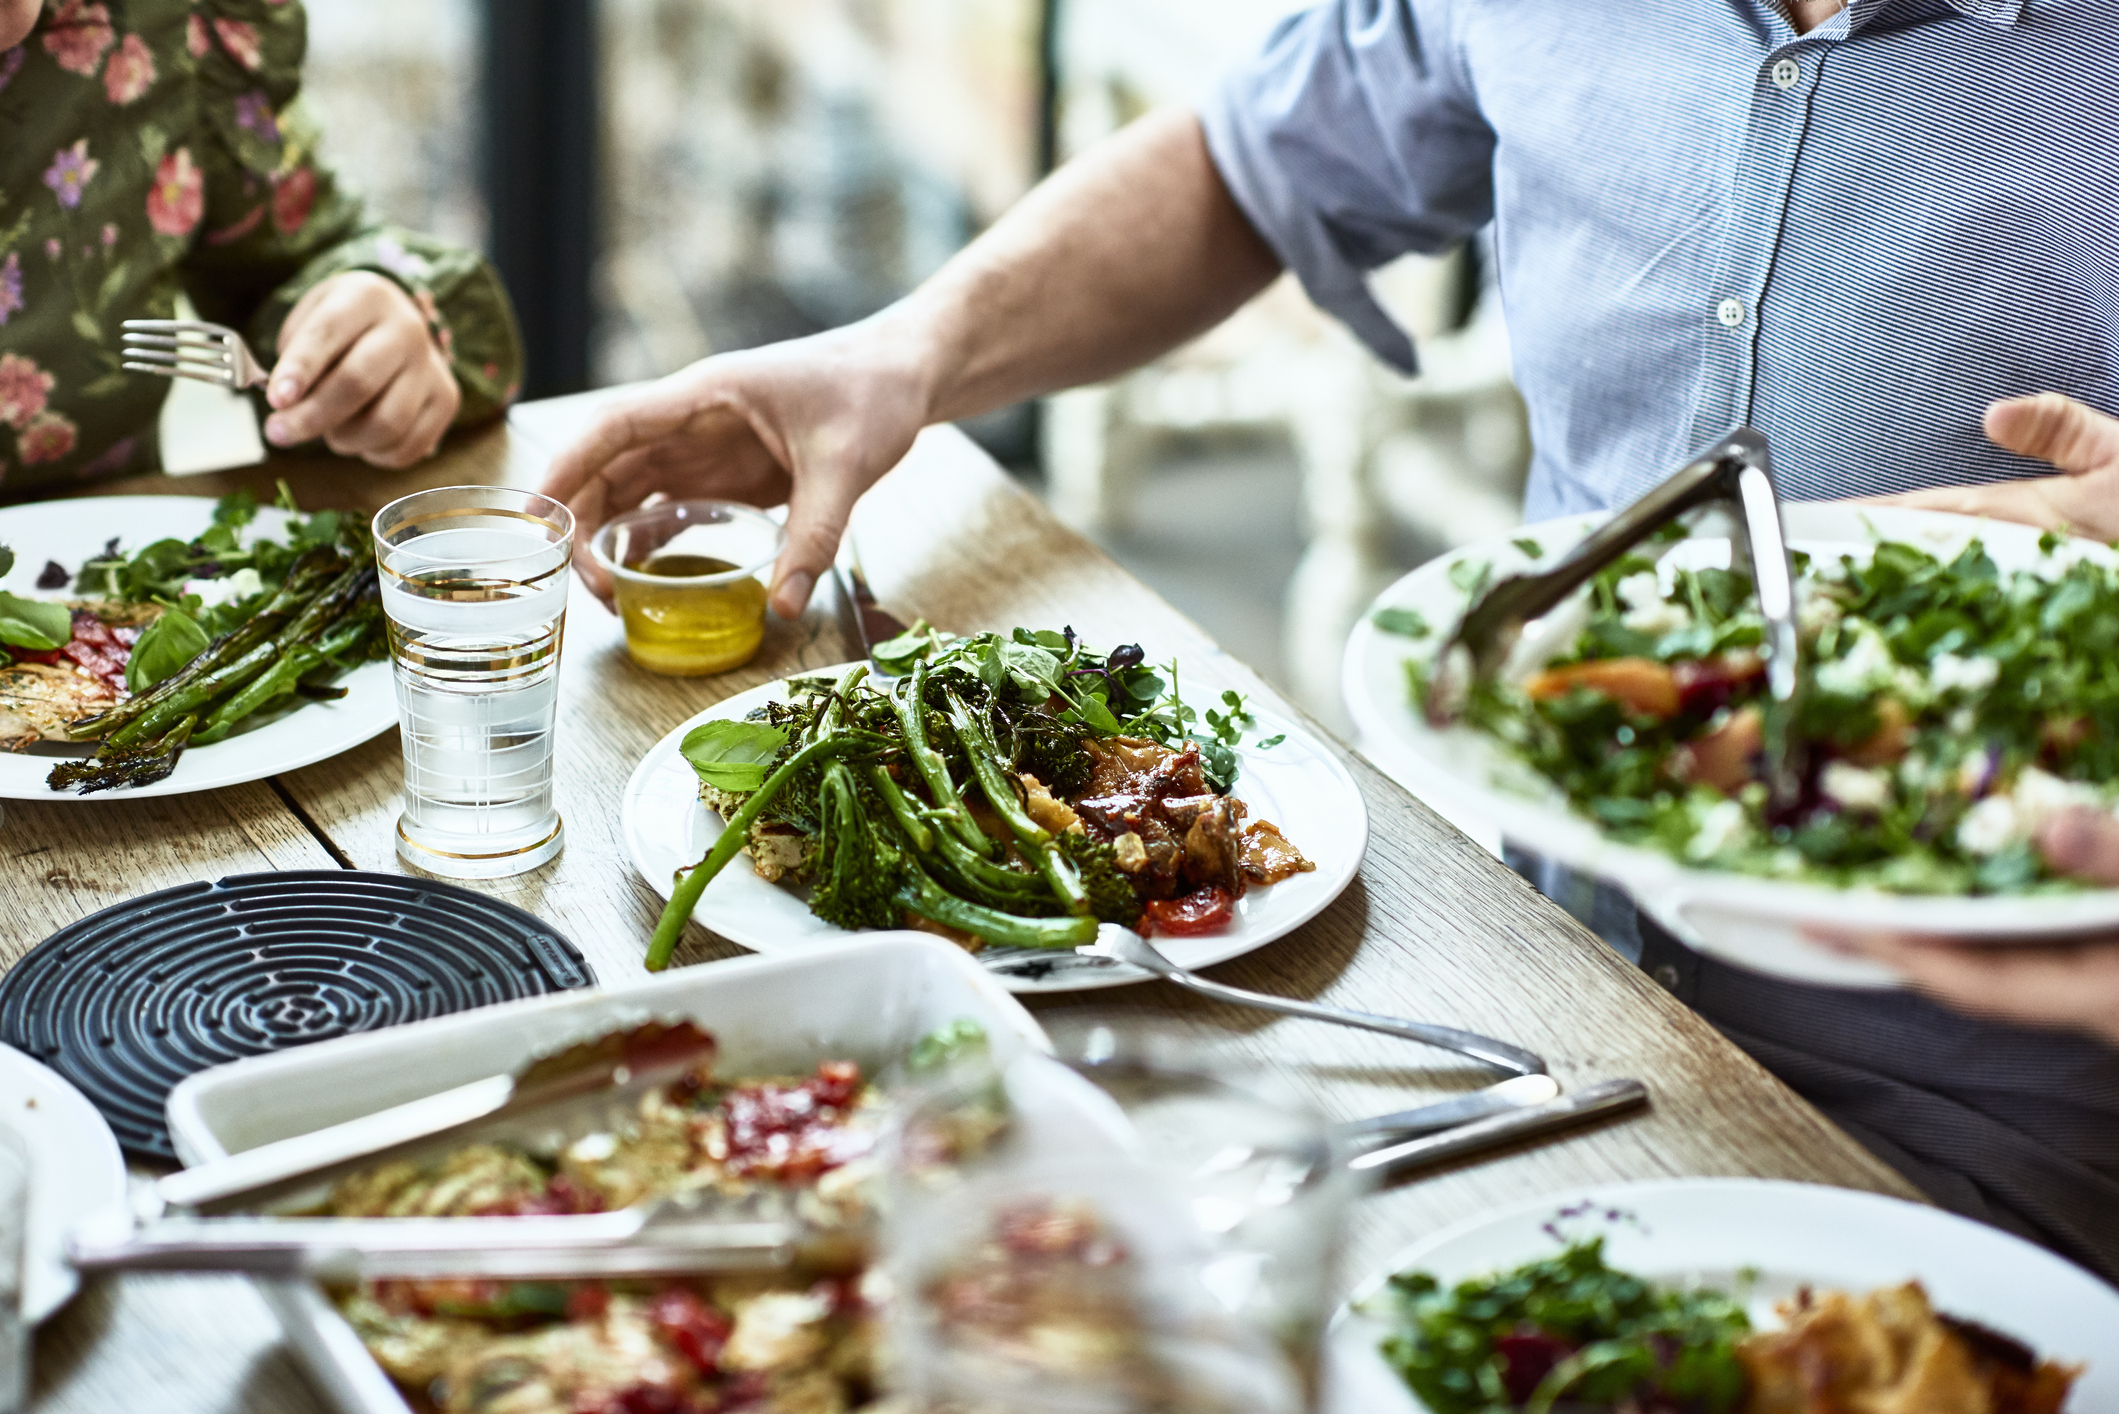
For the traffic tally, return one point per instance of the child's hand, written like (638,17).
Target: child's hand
(359,369)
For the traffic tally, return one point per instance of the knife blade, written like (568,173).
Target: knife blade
(865,622)
(1608,1097)
(1521,1092)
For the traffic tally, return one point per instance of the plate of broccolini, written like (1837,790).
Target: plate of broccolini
(157,645)
(1011,792)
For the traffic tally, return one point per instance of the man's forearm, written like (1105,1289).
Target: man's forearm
(1123,254)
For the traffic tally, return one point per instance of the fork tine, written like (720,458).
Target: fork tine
(166,341)
(175,326)
(174,356)
(168,371)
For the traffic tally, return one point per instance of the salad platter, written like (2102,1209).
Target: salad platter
(1740,1274)
(1929,638)
(109,599)
(1287,784)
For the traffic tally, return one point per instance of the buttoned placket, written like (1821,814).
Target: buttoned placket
(1731,307)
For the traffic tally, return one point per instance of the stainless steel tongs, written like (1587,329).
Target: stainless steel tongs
(1736,472)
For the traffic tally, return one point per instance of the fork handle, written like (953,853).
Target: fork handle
(1498,1054)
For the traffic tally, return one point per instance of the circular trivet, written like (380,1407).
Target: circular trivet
(129,1001)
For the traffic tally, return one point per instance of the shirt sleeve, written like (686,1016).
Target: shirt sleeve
(278,222)
(1351,139)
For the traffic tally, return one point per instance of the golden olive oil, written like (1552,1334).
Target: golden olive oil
(690,630)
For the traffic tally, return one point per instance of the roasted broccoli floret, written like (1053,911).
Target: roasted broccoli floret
(1111,895)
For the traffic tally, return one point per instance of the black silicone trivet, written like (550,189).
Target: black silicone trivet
(129,1001)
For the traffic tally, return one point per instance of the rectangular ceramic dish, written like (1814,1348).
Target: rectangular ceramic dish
(867,1000)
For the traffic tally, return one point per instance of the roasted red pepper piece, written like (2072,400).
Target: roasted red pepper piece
(1206,911)
(696,1330)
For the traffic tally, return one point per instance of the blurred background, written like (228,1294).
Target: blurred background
(663,179)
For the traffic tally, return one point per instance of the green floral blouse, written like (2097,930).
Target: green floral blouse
(152,146)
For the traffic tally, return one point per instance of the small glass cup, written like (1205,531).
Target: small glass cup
(689,577)
(474,585)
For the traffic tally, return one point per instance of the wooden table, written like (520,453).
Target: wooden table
(1432,928)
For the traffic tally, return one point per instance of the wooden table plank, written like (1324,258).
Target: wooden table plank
(1433,927)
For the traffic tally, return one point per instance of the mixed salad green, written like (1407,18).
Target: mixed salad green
(933,781)
(1952,708)
(1568,1332)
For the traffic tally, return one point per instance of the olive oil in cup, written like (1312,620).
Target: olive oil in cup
(689,578)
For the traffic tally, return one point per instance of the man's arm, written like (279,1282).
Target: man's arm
(1127,252)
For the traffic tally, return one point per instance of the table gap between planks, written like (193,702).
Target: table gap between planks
(1432,928)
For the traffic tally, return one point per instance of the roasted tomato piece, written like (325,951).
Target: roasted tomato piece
(1642,685)
(696,1330)
(1205,911)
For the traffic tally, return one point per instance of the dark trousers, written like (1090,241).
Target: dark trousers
(2015,1127)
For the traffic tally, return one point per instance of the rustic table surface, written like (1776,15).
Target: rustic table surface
(1432,928)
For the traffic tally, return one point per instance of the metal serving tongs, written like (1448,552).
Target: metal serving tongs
(195,1220)
(1736,472)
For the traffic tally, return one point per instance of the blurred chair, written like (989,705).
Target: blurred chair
(1443,455)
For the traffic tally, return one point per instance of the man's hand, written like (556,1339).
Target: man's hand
(2082,442)
(2070,988)
(359,369)
(814,422)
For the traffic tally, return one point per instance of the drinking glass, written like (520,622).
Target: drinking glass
(474,584)
(689,577)
(1127,1229)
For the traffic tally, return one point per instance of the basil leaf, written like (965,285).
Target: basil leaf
(36,624)
(896,656)
(169,643)
(733,756)
(1406,623)
(7,560)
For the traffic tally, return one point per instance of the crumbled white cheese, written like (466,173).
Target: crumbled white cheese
(1815,609)
(1962,721)
(1988,827)
(1721,825)
(776,1331)
(1647,611)
(2041,796)
(231,589)
(1854,787)
(593,1148)
(1865,666)
(1950,673)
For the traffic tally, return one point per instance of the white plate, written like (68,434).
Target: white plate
(862,999)
(1751,921)
(1706,1230)
(75,1170)
(70,532)
(1299,785)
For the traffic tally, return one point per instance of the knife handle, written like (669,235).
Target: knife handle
(1607,1097)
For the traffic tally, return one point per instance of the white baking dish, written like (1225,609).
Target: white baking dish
(867,999)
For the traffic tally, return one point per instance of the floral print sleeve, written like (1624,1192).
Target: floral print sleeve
(159,145)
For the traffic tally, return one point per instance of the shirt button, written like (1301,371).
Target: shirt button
(1730,312)
(1787,73)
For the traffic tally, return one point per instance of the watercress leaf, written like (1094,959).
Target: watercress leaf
(896,656)
(166,646)
(734,756)
(236,510)
(1033,670)
(1089,709)
(36,624)
(1406,623)
(1272,741)
(1057,642)
(1218,763)
(1470,576)
(1529,547)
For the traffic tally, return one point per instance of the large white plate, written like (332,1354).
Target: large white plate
(1754,922)
(1299,785)
(1706,1230)
(75,1170)
(71,531)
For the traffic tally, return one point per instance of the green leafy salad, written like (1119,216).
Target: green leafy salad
(1567,1332)
(1951,709)
(1013,790)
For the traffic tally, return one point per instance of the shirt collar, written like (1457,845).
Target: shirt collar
(2002,14)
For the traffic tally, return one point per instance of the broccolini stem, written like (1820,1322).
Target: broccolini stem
(685,897)
(193,699)
(909,700)
(928,899)
(1033,839)
(916,831)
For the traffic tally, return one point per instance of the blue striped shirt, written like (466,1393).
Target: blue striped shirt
(1853,239)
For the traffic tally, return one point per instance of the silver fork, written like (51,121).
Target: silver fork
(192,348)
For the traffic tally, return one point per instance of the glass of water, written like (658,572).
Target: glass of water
(474,582)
